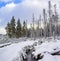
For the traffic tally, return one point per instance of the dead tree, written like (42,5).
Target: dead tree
(55,20)
(44,18)
(26,28)
(38,27)
(33,20)
(50,18)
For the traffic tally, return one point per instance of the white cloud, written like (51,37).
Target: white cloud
(10,6)
(2,30)
(0,20)
(35,3)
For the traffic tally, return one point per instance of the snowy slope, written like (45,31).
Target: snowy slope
(47,46)
(47,50)
(13,52)
(48,57)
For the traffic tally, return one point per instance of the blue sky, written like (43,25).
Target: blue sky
(22,9)
(3,3)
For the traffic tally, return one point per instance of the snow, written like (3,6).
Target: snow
(5,44)
(47,47)
(48,57)
(46,50)
(13,52)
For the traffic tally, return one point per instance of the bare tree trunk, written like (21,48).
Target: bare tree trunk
(33,26)
(26,28)
(50,19)
(44,17)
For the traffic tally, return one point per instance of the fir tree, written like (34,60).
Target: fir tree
(18,29)
(24,29)
(8,30)
(13,30)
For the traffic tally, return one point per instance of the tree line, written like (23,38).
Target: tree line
(14,29)
(50,21)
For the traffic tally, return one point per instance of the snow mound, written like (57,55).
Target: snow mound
(48,57)
(47,51)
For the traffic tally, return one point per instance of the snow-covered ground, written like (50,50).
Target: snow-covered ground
(45,49)
(48,57)
(14,51)
(6,39)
